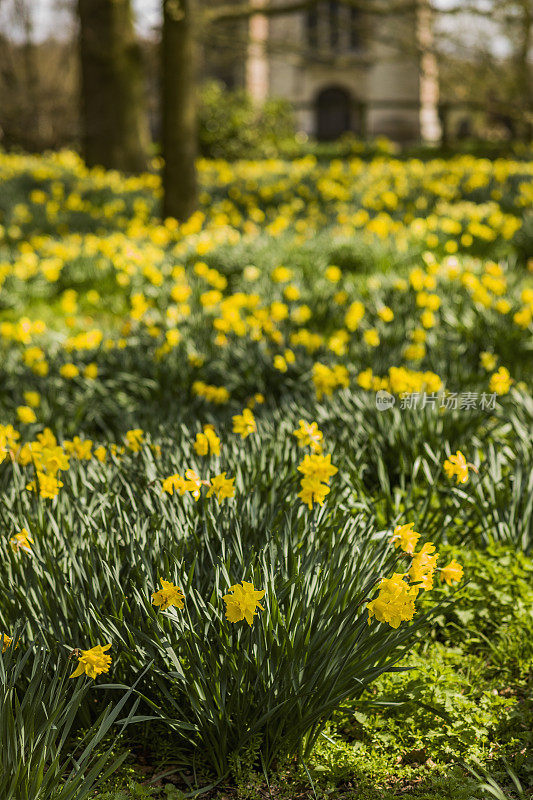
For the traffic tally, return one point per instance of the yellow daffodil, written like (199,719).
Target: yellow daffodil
(243,602)
(395,602)
(423,566)
(207,442)
(168,596)
(21,541)
(33,399)
(93,662)
(134,439)
(308,435)
(501,381)
(458,466)
(452,573)
(313,491)
(47,485)
(26,414)
(318,466)
(405,537)
(244,423)
(69,371)
(221,487)
(174,483)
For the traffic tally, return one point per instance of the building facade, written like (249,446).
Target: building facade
(344,71)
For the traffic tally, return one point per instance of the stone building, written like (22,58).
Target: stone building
(346,71)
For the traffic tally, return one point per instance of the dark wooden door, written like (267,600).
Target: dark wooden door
(332,113)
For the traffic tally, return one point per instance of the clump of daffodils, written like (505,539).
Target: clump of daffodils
(48,458)
(316,468)
(244,423)
(219,485)
(327,379)
(395,602)
(213,394)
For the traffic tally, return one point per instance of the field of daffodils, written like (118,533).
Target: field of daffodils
(266,481)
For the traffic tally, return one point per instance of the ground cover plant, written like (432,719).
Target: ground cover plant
(265,480)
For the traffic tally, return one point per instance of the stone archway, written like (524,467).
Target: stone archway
(332,113)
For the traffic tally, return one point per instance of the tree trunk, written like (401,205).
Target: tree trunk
(178,100)
(257,70)
(429,75)
(523,67)
(114,121)
(31,74)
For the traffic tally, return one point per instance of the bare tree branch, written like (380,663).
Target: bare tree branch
(245,10)
(371,7)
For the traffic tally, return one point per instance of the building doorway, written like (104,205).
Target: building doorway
(333,113)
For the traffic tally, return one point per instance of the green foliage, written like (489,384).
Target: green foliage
(490,787)
(38,708)
(441,709)
(493,614)
(231,126)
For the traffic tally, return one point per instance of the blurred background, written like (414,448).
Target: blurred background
(267,79)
